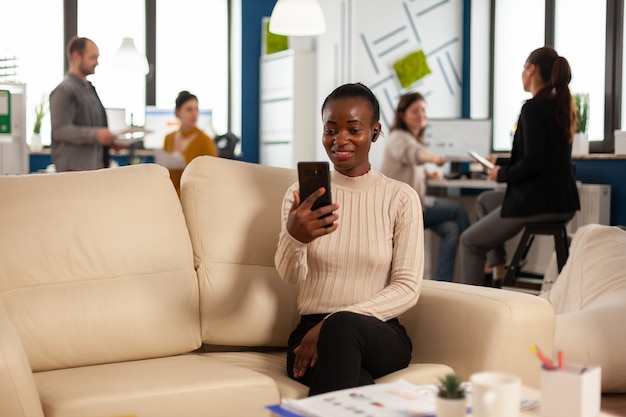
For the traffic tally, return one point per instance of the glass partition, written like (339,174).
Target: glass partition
(519,29)
(580,36)
(37,45)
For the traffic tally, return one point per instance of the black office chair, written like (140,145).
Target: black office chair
(226,144)
(561,245)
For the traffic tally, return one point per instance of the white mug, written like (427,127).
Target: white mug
(495,394)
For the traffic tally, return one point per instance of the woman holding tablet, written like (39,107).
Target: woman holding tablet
(541,186)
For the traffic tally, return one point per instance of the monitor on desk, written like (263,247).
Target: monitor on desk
(116,119)
(160,122)
(454,138)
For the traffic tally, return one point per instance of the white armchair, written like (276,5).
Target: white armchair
(589,299)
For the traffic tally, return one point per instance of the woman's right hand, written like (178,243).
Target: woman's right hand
(305,224)
(105,136)
(439,160)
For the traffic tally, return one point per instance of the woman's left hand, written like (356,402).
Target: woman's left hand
(493,173)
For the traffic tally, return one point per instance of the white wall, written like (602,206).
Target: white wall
(363,41)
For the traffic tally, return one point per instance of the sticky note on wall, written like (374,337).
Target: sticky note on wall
(411,68)
(273,42)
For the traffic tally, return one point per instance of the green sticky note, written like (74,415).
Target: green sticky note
(274,42)
(411,68)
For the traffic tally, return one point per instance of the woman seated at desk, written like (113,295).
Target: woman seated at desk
(189,141)
(404,159)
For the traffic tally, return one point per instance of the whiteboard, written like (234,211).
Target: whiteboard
(454,138)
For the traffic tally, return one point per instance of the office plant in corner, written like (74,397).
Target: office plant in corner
(582,111)
(580,145)
(451,397)
(40,112)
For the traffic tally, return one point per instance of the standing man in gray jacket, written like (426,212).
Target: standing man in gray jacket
(80,137)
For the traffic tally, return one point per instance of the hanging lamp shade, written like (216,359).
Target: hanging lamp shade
(297,18)
(128,57)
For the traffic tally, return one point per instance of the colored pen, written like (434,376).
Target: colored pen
(560,356)
(534,349)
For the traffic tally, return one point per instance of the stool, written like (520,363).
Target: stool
(561,245)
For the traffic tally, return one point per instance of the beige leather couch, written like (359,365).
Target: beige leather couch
(116,300)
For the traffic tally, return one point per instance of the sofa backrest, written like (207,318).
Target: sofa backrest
(97,267)
(233,210)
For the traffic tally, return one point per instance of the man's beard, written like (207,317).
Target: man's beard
(86,70)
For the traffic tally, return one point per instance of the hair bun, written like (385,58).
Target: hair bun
(183,97)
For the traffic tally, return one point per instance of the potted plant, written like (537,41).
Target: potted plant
(582,111)
(580,145)
(40,112)
(451,397)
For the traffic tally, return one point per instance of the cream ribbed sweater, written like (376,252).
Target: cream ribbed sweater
(372,264)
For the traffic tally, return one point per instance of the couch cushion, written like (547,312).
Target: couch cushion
(97,266)
(273,365)
(186,385)
(232,210)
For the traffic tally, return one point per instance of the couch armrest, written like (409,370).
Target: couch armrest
(18,392)
(472,329)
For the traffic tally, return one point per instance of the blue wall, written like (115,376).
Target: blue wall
(252,12)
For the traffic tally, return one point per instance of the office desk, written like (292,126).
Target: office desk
(465,191)
(39,161)
(464,184)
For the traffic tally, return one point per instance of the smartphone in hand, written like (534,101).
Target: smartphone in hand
(311,176)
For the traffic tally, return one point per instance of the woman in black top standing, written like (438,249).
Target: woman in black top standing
(540,177)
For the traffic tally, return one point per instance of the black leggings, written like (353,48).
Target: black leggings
(353,350)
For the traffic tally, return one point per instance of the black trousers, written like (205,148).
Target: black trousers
(353,350)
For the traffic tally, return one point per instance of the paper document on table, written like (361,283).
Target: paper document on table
(484,162)
(394,399)
(170,160)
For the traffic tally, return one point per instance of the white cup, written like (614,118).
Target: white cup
(495,394)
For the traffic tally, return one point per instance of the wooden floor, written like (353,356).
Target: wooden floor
(614,404)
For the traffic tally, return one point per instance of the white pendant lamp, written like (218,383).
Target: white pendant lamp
(297,18)
(128,57)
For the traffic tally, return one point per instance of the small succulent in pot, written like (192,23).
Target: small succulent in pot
(451,386)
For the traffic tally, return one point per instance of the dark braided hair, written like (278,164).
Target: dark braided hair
(355,90)
(556,74)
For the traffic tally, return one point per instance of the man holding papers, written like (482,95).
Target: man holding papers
(80,137)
